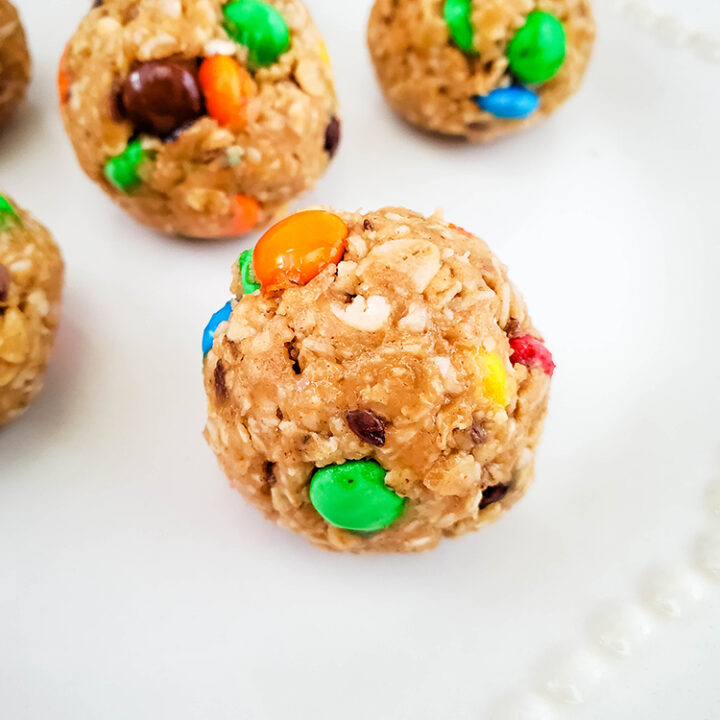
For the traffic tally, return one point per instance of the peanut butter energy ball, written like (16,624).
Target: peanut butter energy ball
(479,69)
(376,383)
(14,60)
(200,117)
(31,276)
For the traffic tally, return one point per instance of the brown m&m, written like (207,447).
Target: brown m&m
(160,96)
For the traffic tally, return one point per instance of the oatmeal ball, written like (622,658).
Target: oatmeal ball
(376,383)
(479,69)
(200,117)
(31,276)
(14,60)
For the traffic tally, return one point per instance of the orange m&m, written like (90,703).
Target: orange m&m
(227,88)
(298,248)
(247,212)
(63,81)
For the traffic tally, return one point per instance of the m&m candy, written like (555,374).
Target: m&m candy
(258,26)
(247,275)
(512,103)
(537,51)
(298,248)
(354,496)
(227,87)
(528,350)
(123,170)
(221,316)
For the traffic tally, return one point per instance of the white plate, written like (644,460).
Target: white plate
(136,584)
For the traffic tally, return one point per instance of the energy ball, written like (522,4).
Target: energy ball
(376,383)
(479,69)
(31,277)
(202,117)
(14,60)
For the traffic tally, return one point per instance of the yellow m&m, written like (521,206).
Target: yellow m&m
(493,379)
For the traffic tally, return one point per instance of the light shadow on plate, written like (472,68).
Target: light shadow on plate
(44,420)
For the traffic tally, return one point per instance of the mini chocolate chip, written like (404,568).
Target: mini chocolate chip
(493,494)
(294,354)
(97,3)
(479,126)
(269,470)
(478,434)
(367,224)
(332,136)
(220,386)
(4,283)
(367,426)
(159,96)
(512,328)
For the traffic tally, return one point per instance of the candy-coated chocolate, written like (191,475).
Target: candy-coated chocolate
(247,212)
(258,26)
(354,496)
(457,14)
(493,378)
(513,103)
(123,170)
(8,215)
(220,316)
(247,274)
(537,51)
(531,352)
(160,96)
(227,88)
(63,79)
(298,248)
(324,54)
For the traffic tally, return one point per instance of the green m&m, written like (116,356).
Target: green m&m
(259,27)
(123,170)
(8,215)
(537,50)
(457,17)
(354,496)
(247,275)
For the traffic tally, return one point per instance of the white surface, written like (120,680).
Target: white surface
(136,584)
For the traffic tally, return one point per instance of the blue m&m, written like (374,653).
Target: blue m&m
(220,316)
(512,102)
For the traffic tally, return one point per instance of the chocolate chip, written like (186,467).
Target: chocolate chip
(160,96)
(478,434)
(219,376)
(512,328)
(479,126)
(367,426)
(367,224)
(294,354)
(97,3)
(493,494)
(332,136)
(269,470)
(4,283)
